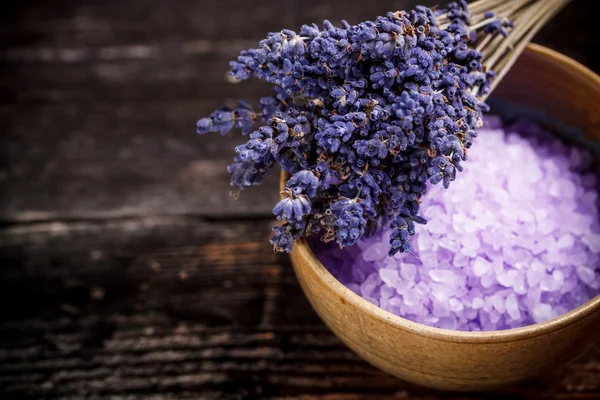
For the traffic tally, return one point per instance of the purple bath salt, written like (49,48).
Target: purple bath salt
(514,241)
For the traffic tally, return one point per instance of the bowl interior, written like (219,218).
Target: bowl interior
(569,105)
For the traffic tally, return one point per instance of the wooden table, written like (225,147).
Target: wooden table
(126,271)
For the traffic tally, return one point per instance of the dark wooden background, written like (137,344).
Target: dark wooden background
(126,271)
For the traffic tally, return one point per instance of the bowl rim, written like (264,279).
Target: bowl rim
(581,69)
(515,334)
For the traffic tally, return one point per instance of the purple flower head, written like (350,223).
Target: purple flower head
(292,207)
(363,117)
(350,221)
(283,238)
(304,182)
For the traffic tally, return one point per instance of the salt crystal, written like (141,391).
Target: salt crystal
(484,320)
(520,287)
(436,226)
(408,271)
(494,319)
(460,260)
(440,308)
(386,293)
(528,230)
(520,265)
(434,212)
(390,277)
(554,189)
(358,275)
(542,312)
(396,301)
(470,227)
(535,273)
(546,227)
(535,174)
(456,305)
(534,296)
(570,283)
(410,298)
(547,284)
(429,320)
(481,266)
(487,281)
(488,236)
(579,225)
(470,314)
(540,214)
(458,223)
(555,258)
(442,275)
(538,248)
(510,255)
(501,196)
(448,323)
(559,279)
(509,213)
(422,288)
(440,292)
(589,199)
(585,274)
(369,285)
(478,303)
(424,241)
(486,219)
(566,241)
(595,284)
(498,266)
(429,258)
(474,327)
(405,286)
(547,242)
(376,251)
(512,307)
(580,257)
(497,302)
(448,244)
(525,216)
(507,279)
(567,189)
(592,241)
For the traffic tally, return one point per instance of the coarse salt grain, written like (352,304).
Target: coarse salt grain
(502,248)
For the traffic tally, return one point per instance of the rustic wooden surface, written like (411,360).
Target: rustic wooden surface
(125,269)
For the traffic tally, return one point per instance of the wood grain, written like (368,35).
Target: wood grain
(178,307)
(126,271)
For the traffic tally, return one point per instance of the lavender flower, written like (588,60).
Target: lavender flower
(362,117)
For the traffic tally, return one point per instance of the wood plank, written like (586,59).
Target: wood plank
(98,112)
(101,160)
(94,21)
(179,307)
(111,67)
(187,70)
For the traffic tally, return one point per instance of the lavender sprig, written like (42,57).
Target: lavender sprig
(363,117)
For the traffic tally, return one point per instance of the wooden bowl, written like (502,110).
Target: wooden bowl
(541,79)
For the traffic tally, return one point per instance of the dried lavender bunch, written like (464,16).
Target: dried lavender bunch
(363,116)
